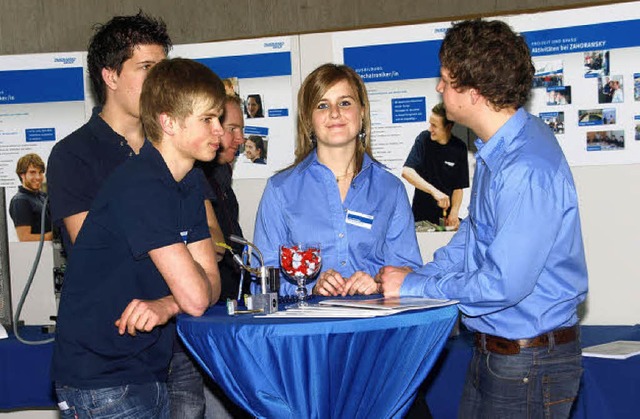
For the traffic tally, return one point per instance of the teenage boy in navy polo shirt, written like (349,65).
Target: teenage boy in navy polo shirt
(120,54)
(143,255)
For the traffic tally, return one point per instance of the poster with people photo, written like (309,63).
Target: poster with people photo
(605,140)
(231,86)
(255,149)
(42,100)
(558,95)
(548,74)
(263,73)
(610,89)
(253,107)
(554,120)
(596,64)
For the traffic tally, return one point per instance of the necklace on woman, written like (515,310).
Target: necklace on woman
(345,176)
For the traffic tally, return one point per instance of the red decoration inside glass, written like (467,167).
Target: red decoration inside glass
(297,262)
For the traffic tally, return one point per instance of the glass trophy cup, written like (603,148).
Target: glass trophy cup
(300,263)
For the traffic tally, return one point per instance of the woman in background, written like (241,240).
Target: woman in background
(253,107)
(335,194)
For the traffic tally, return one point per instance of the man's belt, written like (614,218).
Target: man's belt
(503,346)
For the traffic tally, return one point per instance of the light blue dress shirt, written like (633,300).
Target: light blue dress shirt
(372,228)
(517,263)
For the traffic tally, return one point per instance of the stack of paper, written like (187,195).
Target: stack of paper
(349,307)
(395,304)
(620,349)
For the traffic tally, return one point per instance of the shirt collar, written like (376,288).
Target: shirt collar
(312,158)
(504,140)
(149,153)
(27,191)
(103,131)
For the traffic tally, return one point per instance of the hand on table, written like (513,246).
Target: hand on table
(360,283)
(390,279)
(330,283)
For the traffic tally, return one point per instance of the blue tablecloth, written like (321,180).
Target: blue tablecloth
(319,368)
(610,388)
(24,371)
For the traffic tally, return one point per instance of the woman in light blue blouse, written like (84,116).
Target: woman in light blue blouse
(335,194)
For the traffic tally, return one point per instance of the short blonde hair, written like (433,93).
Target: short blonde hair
(174,87)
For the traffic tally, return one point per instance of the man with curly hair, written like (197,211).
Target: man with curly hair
(517,263)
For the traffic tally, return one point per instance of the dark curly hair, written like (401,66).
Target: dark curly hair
(113,43)
(490,57)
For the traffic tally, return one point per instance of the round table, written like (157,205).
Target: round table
(319,368)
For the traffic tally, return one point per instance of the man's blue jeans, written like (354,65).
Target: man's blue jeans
(536,383)
(185,387)
(134,401)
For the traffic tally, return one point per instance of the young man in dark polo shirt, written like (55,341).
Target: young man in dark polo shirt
(144,254)
(26,205)
(438,168)
(120,55)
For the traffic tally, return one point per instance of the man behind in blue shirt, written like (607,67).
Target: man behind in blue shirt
(143,255)
(517,263)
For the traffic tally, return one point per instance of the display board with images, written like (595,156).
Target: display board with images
(42,100)
(264,74)
(586,85)
(45,97)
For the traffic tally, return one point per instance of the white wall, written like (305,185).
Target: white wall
(40,303)
(608,200)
